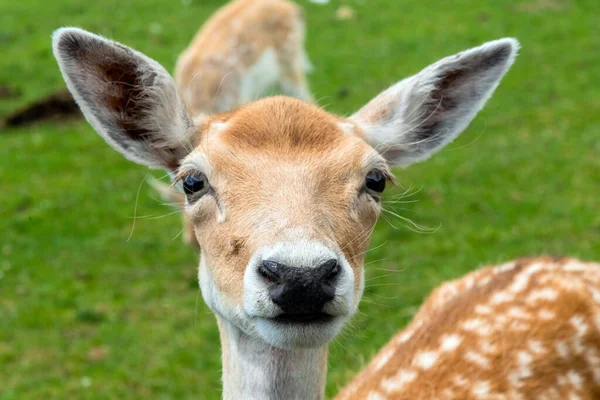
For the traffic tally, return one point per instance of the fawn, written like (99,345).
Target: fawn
(282,194)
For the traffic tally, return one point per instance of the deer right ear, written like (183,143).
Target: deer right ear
(128,98)
(418,116)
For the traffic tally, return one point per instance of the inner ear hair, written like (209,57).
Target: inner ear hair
(129,99)
(419,115)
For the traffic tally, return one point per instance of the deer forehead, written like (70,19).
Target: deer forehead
(282,141)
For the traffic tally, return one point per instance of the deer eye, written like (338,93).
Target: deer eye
(195,184)
(375,181)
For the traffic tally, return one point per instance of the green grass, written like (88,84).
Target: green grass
(91,308)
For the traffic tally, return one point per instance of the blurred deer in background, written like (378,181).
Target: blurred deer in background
(528,329)
(245,49)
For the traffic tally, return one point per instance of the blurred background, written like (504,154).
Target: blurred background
(97,304)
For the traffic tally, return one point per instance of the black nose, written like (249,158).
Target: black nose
(301,290)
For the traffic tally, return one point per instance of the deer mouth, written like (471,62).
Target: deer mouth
(304,318)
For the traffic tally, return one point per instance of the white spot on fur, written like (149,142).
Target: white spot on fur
(460,380)
(532,269)
(450,342)
(579,324)
(515,377)
(473,324)
(524,358)
(405,337)
(469,281)
(505,267)
(546,314)
(425,359)
(542,294)
(397,382)
(536,347)
(595,294)
(487,347)
(485,281)
(481,390)
(375,396)
(574,266)
(483,309)
(384,358)
(477,358)
(478,326)
(501,297)
(518,312)
(593,361)
(520,283)
(577,345)
(500,320)
(562,349)
(575,379)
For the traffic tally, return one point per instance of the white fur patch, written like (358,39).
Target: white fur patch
(399,380)
(478,358)
(425,359)
(450,342)
(562,349)
(384,358)
(481,390)
(546,314)
(501,297)
(542,294)
(260,77)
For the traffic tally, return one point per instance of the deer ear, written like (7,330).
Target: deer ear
(128,98)
(418,116)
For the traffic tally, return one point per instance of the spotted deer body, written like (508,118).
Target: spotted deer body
(528,329)
(282,195)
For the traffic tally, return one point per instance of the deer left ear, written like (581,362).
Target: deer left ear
(418,116)
(129,99)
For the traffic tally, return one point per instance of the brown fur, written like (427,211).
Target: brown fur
(310,174)
(515,334)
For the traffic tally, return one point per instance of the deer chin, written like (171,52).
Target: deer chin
(299,331)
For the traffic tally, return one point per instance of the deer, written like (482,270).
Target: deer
(245,49)
(526,329)
(283,195)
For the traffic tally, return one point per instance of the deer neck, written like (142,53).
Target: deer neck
(253,369)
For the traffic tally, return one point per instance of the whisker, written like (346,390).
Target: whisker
(385,297)
(155,216)
(417,227)
(179,234)
(379,277)
(137,197)
(337,341)
(369,301)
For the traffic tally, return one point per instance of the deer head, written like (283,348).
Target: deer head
(282,194)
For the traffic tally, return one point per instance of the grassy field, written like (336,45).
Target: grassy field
(96,305)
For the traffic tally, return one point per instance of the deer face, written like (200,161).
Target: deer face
(283,216)
(283,195)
